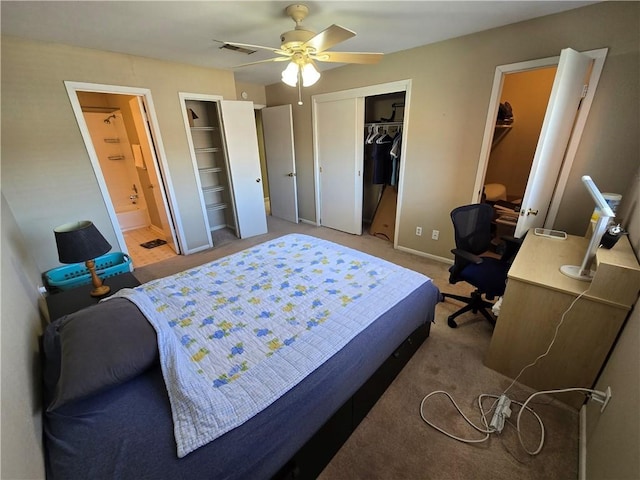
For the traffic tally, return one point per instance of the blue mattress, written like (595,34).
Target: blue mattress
(126,430)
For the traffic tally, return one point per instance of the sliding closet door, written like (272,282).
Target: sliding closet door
(339,145)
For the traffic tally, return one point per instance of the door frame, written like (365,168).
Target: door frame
(160,160)
(371,90)
(599,57)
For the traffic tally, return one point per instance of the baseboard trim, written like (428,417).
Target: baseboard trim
(426,255)
(582,452)
(309,222)
(196,249)
(158,231)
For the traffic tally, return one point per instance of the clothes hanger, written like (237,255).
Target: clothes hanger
(384,138)
(376,133)
(369,134)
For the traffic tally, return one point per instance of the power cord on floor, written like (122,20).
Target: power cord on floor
(503,403)
(487,430)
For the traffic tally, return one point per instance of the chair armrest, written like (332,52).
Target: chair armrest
(512,245)
(469,257)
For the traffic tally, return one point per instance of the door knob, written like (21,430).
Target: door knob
(291,174)
(257,180)
(532,212)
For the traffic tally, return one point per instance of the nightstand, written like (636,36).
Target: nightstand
(70,301)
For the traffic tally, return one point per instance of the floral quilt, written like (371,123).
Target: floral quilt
(236,334)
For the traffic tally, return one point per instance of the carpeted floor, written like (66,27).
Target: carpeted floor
(393,442)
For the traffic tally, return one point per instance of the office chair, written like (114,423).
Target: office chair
(472,229)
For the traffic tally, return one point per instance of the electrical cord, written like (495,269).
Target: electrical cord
(487,430)
(524,405)
(553,340)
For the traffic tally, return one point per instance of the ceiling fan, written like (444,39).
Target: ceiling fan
(302,48)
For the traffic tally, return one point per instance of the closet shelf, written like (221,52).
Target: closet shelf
(216,206)
(210,170)
(207,150)
(216,188)
(203,129)
(499,132)
(384,124)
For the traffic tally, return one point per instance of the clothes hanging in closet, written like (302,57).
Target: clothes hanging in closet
(381,156)
(396,148)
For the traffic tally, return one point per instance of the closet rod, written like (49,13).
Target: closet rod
(91,109)
(384,124)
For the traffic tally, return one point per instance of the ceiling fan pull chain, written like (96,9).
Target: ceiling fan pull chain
(299,86)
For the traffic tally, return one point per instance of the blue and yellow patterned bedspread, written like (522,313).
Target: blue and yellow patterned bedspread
(236,334)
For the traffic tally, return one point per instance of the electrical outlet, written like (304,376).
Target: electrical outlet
(419,231)
(435,234)
(602,397)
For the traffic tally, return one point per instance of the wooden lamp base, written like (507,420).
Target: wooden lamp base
(99,289)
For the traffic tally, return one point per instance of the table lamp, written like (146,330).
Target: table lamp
(82,242)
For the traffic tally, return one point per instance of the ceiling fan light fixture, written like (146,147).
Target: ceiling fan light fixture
(309,74)
(290,74)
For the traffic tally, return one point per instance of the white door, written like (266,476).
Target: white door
(339,143)
(239,127)
(277,127)
(148,152)
(562,109)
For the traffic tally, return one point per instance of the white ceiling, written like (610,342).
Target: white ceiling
(185,31)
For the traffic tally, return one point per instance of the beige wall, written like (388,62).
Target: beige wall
(451,86)
(255,93)
(47,176)
(22,453)
(613,436)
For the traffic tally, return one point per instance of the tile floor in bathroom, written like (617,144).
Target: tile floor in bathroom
(141,256)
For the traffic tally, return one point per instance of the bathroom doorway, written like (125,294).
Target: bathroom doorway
(125,153)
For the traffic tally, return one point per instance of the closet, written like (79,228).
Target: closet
(384,115)
(210,158)
(223,142)
(341,123)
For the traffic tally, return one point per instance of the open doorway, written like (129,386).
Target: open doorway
(263,157)
(123,154)
(572,93)
(523,103)
(340,133)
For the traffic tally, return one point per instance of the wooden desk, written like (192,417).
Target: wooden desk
(536,297)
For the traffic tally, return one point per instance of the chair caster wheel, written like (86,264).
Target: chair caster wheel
(452,323)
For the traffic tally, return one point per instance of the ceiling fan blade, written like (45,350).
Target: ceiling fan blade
(274,59)
(349,57)
(329,37)
(260,47)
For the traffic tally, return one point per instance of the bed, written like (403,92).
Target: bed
(301,336)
